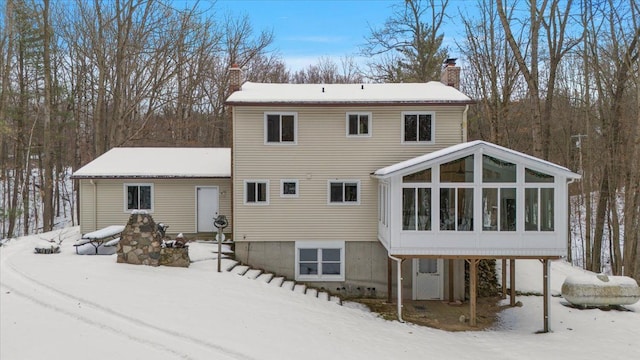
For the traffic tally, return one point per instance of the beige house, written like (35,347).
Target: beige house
(333,183)
(305,204)
(185,188)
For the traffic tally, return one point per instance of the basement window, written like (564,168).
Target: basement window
(320,261)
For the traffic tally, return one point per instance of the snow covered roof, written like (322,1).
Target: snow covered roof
(470,146)
(432,92)
(155,162)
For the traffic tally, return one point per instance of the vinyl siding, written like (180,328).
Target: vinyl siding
(323,152)
(174,202)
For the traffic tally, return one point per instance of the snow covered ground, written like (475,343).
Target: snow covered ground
(67,306)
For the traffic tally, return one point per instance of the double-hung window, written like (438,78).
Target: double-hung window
(280,128)
(344,192)
(358,124)
(320,260)
(418,127)
(139,196)
(256,192)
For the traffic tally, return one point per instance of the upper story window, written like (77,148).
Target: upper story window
(358,124)
(256,192)
(344,192)
(289,188)
(418,127)
(280,128)
(139,196)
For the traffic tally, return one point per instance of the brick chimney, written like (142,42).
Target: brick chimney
(235,78)
(451,73)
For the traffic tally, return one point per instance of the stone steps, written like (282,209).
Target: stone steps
(281,282)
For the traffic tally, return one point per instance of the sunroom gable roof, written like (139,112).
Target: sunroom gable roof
(464,149)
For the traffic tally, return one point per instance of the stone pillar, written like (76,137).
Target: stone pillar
(140,242)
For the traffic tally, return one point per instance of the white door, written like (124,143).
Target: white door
(207,208)
(427,279)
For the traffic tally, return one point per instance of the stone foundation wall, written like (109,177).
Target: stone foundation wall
(141,244)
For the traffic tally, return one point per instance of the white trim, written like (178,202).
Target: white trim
(126,193)
(295,128)
(329,244)
(418,142)
(369,125)
(295,181)
(343,181)
(244,192)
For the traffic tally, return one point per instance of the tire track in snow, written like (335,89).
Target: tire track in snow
(7,264)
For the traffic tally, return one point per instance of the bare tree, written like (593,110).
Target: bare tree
(493,72)
(554,20)
(327,71)
(408,47)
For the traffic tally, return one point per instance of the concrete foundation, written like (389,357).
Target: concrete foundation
(365,268)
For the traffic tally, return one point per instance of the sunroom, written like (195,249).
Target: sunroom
(472,201)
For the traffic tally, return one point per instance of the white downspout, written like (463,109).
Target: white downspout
(464,123)
(95,204)
(399,281)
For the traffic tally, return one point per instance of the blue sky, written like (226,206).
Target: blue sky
(307,30)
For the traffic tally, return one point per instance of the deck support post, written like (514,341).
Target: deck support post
(504,278)
(389,280)
(546,265)
(451,277)
(512,281)
(473,290)
(399,281)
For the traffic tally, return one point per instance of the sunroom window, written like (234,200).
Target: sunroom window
(456,209)
(499,202)
(538,201)
(460,170)
(538,209)
(499,209)
(416,209)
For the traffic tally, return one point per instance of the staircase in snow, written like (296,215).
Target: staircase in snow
(281,282)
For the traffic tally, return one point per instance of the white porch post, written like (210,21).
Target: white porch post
(399,281)
(546,264)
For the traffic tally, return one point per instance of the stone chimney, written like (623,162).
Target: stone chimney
(235,78)
(451,73)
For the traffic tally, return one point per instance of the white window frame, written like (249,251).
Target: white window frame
(295,128)
(343,181)
(126,196)
(255,203)
(433,127)
(369,124)
(319,245)
(295,181)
